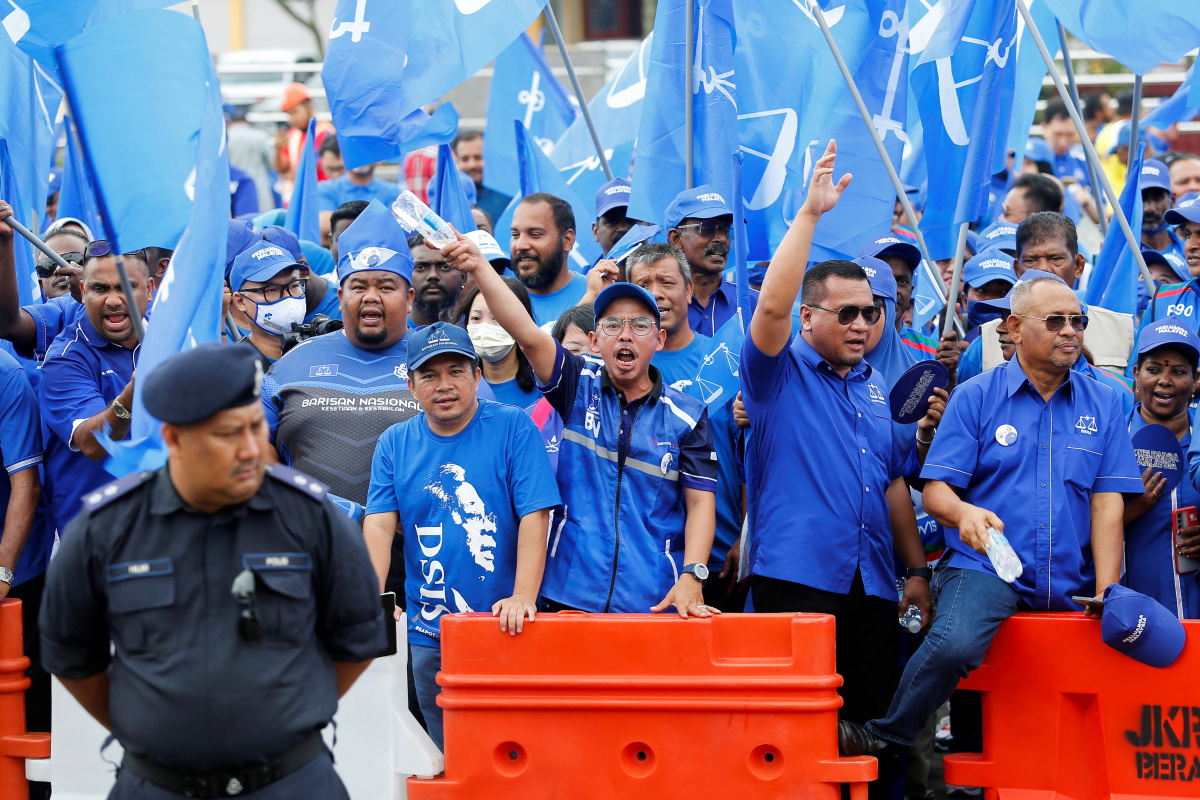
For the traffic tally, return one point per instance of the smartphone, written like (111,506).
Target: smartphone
(1091,602)
(1184,518)
(388,599)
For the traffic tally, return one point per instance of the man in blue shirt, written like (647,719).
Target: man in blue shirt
(698,222)
(636,469)
(1032,451)
(268,291)
(829,510)
(359,183)
(612,201)
(1156,201)
(469,482)
(543,232)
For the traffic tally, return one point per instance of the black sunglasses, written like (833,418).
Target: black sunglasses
(847,314)
(45,266)
(102,247)
(1055,322)
(249,627)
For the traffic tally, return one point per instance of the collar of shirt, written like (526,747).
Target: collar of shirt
(165,498)
(808,354)
(1017,378)
(727,292)
(655,390)
(93,337)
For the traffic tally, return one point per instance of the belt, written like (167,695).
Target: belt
(226,784)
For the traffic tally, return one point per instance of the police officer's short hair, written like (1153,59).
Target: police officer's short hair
(1022,293)
(654,252)
(1044,226)
(564,217)
(813,291)
(1042,193)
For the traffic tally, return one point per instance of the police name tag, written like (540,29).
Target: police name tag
(1157,448)
(909,398)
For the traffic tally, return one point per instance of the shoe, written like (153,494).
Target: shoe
(963,791)
(856,740)
(942,736)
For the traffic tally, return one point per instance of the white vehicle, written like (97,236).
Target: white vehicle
(255,79)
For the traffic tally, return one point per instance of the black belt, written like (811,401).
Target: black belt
(226,784)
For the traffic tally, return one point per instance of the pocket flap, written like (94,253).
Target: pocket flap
(133,590)
(295,583)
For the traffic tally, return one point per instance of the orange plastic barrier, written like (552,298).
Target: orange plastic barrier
(641,707)
(15,744)
(1066,716)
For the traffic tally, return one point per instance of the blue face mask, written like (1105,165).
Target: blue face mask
(977,316)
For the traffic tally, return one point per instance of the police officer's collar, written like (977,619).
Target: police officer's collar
(1017,376)
(655,390)
(164,499)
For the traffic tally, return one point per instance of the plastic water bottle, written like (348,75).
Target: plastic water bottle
(416,217)
(1004,559)
(911,619)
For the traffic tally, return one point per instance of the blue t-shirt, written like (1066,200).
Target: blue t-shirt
(460,500)
(21,449)
(547,308)
(340,190)
(512,394)
(329,305)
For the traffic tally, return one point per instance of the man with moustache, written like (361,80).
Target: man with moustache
(543,232)
(1156,201)
(436,285)
(699,222)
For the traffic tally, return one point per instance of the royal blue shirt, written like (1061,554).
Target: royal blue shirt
(460,500)
(82,375)
(817,470)
(512,394)
(1072,165)
(1179,299)
(52,318)
(547,308)
(340,190)
(21,449)
(1041,484)
(722,304)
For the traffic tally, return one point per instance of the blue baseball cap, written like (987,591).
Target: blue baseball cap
(438,339)
(277,234)
(616,291)
(259,263)
(1172,331)
(890,245)
(879,274)
(1187,209)
(1036,149)
(990,265)
(973,242)
(239,238)
(1155,175)
(55,181)
(1172,262)
(702,202)
(614,194)
(1140,627)
(374,241)
(1001,236)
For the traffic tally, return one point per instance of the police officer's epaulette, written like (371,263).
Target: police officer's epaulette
(298,480)
(106,494)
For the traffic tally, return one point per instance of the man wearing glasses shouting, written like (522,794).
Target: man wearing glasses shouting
(829,510)
(636,471)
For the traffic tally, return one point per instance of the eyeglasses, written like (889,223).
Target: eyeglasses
(249,627)
(847,314)
(45,266)
(1055,322)
(639,326)
(273,292)
(707,228)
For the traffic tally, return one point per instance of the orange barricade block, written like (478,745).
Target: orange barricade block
(1066,716)
(15,744)
(641,707)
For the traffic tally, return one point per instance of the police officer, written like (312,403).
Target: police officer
(240,602)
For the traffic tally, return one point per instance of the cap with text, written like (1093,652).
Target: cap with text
(1170,331)
(438,339)
(260,262)
(702,202)
(614,194)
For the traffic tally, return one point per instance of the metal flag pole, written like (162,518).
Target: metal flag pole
(1135,244)
(1137,111)
(689,52)
(587,115)
(35,241)
(909,212)
(960,250)
(1069,68)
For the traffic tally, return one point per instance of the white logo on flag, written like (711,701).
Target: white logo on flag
(533,98)
(16,24)
(355,28)
(469,7)
(634,92)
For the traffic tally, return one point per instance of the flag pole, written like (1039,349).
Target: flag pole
(952,292)
(689,50)
(1137,110)
(587,115)
(35,241)
(1069,68)
(883,153)
(1135,244)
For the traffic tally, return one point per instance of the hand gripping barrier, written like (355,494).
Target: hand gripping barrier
(15,744)
(1066,716)
(642,707)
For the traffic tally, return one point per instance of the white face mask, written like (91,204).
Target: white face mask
(362,172)
(277,318)
(492,343)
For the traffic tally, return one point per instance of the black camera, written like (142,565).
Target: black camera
(319,326)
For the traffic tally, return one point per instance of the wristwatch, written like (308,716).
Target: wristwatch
(697,571)
(7,576)
(121,411)
(919,572)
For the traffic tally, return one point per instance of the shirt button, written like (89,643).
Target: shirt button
(1043,447)
(867,488)
(860,413)
(864,451)
(1043,486)
(1043,526)
(1042,571)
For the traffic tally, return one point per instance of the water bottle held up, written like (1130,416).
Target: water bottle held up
(1004,559)
(416,217)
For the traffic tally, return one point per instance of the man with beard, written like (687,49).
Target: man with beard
(436,284)
(699,220)
(1156,201)
(543,232)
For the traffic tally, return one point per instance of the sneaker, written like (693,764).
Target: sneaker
(942,736)
(963,791)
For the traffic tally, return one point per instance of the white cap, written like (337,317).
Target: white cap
(488,246)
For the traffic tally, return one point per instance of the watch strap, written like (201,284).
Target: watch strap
(919,572)
(7,576)
(120,410)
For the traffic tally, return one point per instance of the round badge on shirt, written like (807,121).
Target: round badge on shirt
(1006,435)
(909,398)
(1157,448)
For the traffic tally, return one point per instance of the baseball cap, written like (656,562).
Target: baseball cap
(260,262)
(55,181)
(1140,627)
(374,241)
(1000,236)
(437,339)
(1171,331)
(195,384)
(614,194)
(616,291)
(973,242)
(892,246)
(883,282)
(1177,266)
(294,95)
(1005,303)
(1155,176)
(489,247)
(702,202)
(1187,209)
(1036,149)
(277,234)
(990,265)
(240,237)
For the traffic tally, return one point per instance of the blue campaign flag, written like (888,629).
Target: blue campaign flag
(717,381)
(29,101)
(1026,80)
(587,176)
(1176,108)
(447,195)
(659,158)
(419,129)
(77,197)
(376,73)
(114,72)
(303,216)
(539,175)
(524,88)
(37,26)
(928,296)
(10,190)
(1139,35)
(963,105)
(1113,283)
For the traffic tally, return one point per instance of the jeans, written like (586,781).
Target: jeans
(970,606)
(426,662)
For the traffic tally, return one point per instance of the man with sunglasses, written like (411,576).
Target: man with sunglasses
(239,601)
(636,470)
(1031,450)
(699,222)
(829,510)
(269,292)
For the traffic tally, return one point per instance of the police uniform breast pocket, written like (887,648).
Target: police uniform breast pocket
(287,611)
(1084,453)
(141,605)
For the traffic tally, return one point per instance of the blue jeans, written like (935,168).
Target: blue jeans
(970,606)
(426,662)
